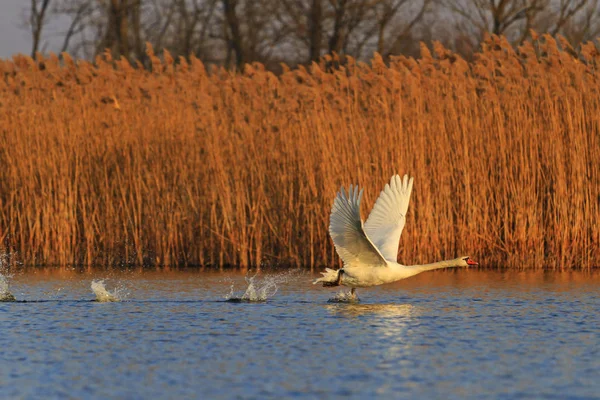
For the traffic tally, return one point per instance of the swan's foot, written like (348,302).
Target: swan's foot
(331,277)
(339,279)
(345,297)
(337,282)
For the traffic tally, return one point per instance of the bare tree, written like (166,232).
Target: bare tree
(495,16)
(37,20)
(515,18)
(77,12)
(340,25)
(577,20)
(584,25)
(135,16)
(116,36)
(567,9)
(315,29)
(305,20)
(353,27)
(184,27)
(233,32)
(396,21)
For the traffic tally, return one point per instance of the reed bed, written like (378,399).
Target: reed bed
(106,164)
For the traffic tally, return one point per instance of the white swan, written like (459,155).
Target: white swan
(370,250)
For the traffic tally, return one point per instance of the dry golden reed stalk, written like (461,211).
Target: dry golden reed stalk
(106,164)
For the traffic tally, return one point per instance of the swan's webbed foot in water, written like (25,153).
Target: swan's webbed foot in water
(345,297)
(339,279)
(338,282)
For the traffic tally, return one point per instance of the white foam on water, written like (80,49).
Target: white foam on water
(54,294)
(5,294)
(105,296)
(229,295)
(260,289)
(344,297)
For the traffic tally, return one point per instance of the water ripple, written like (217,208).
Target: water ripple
(175,337)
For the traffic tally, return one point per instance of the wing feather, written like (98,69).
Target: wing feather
(386,221)
(346,229)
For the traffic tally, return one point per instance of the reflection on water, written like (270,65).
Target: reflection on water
(380,310)
(451,335)
(388,324)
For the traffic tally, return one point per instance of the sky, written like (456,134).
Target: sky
(13,37)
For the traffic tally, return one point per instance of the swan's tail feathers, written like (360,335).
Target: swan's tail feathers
(329,278)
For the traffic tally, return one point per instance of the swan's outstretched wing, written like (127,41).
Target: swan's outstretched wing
(346,229)
(386,221)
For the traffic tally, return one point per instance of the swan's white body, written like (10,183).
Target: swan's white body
(370,250)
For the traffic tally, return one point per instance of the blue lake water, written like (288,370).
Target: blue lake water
(448,334)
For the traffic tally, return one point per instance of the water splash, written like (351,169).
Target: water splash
(230,295)
(260,289)
(5,294)
(54,294)
(105,296)
(344,297)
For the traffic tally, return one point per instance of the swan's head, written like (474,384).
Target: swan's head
(466,261)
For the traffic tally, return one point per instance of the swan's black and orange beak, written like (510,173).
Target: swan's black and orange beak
(471,262)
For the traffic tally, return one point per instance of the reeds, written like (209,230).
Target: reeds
(104,164)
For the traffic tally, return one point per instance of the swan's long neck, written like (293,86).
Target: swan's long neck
(455,262)
(399,271)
